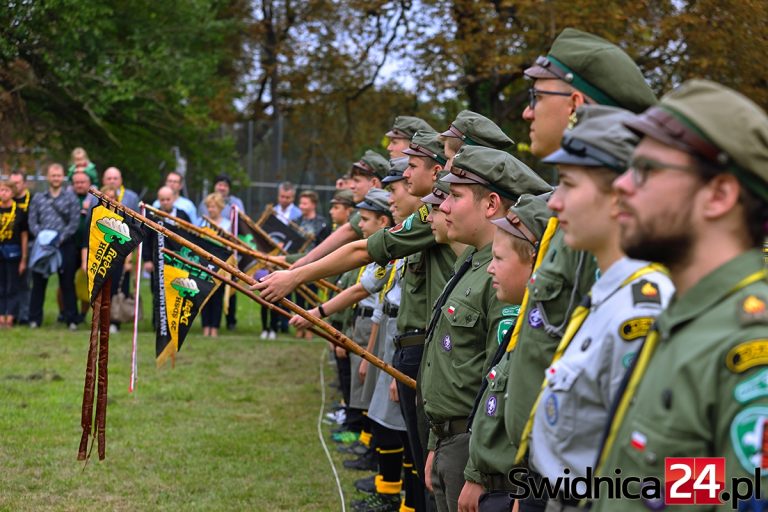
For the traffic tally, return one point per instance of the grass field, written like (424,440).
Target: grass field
(232,427)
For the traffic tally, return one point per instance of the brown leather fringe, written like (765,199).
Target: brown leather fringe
(101,399)
(86,417)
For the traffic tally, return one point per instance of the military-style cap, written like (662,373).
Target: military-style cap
(440,192)
(426,144)
(599,139)
(344,197)
(596,67)
(717,124)
(376,200)
(526,220)
(371,164)
(397,167)
(477,130)
(495,170)
(405,126)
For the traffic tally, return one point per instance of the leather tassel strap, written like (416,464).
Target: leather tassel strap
(101,399)
(86,418)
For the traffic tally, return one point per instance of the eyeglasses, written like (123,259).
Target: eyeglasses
(533,94)
(641,167)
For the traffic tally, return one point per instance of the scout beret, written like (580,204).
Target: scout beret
(496,170)
(716,123)
(597,68)
(344,197)
(405,126)
(376,200)
(371,164)
(477,130)
(439,192)
(526,220)
(397,167)
(427,144)
(599,139)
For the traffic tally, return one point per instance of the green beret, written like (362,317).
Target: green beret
(376,200)
(716,123)
(597,68)
(397,167)
(527,219)
(496,170)
(477,130)
(405,126)
(599,139)
(371,164)
(427,144)
(344,197)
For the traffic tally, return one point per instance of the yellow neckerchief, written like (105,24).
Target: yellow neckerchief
(120,194)
(25,204)
(639,369)
(10,216)
(578,317)
(543,247)
(390,281)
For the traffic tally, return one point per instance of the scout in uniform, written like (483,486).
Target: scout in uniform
(515,245)
(401,133)
(463,333)
(696,200)
(580,68)
(566,424)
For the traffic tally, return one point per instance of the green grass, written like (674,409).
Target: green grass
(231,427)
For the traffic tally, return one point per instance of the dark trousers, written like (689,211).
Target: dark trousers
(21,306)
(69,255)
(211,313)
(232,312)
(9,285)
(407,360)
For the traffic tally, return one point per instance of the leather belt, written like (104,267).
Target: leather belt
(390,310)
(364,312)
(410,339)
(449,428)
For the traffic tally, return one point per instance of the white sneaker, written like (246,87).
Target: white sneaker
(33,325)
(272,335)
(113,329)
(264,334)
(73,326)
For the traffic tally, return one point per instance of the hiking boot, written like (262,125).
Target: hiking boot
(366,485)
(369,461)
(378,503)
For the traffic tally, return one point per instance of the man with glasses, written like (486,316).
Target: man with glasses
(696,200)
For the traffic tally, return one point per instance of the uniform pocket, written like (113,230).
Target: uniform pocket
(559,404)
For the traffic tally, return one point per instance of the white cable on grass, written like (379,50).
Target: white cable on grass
(320,431)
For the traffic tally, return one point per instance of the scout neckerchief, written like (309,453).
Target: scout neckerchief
(577,319)
(120,194)
(390,281)
(639,369)
(24,204)
(543,247)
(9,217)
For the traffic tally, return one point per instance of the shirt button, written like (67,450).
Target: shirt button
(651,458)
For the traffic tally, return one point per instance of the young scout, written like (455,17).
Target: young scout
(696,200)
(463,334)
(605,332)
(580,68)
(400,135)
(515,245)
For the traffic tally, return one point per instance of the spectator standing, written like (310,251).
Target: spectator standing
(310,221)
(285,210)
(114,178)
(13,252)
(222,185)
(80,162)
(54,216)
(211,312)
(175,182)
(22,197)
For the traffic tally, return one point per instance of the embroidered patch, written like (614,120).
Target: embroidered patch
(504,326)
(491,405)
(749,437)
(408,223)
(747,355)
(638,440)
(645,292)
(535,319)
(451,310)
(635,328)
(423,212)
(627,360)
(550,409)
(380,272)
(753,310)
(447,345)
(510,311)
(492,374)
(754,387)
(398,228)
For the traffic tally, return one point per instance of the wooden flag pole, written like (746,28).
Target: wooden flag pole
(344,341)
